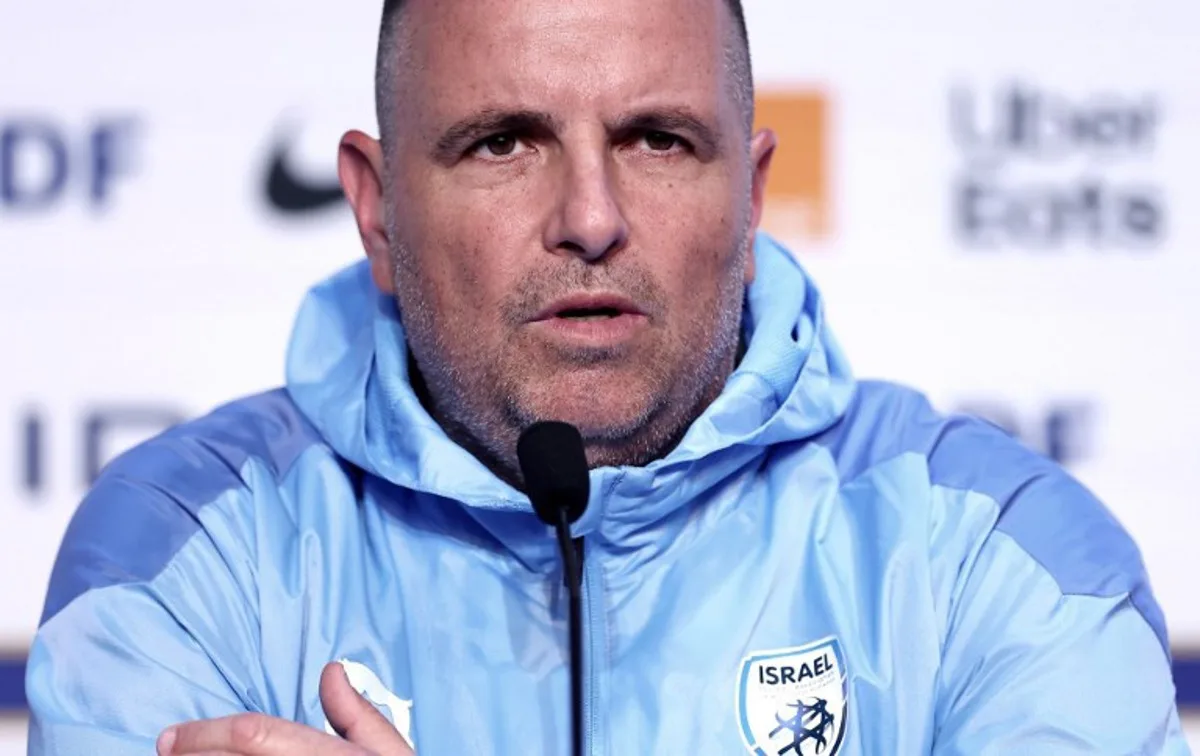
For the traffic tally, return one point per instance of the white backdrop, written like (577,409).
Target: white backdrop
(997,199)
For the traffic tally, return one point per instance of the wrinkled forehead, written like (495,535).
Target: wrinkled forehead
(559,55)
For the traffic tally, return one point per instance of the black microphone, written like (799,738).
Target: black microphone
(556,478)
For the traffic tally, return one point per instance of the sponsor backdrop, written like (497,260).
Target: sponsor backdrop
(998,199)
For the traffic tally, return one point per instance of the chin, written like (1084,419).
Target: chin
(610,410)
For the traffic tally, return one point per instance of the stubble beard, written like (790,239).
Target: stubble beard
(485,411)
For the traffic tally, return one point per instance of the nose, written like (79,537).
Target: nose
(588,221)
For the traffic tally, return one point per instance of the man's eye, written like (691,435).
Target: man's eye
(660,141)
(500,145)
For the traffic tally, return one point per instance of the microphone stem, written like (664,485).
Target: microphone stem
(572,558)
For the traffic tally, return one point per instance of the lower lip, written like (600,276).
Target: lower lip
(595,332)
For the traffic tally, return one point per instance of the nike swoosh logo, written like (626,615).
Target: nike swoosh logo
(293,194)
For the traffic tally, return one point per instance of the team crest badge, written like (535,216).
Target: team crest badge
(793,701)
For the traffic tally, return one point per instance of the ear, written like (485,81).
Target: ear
(360,170)
(762,149)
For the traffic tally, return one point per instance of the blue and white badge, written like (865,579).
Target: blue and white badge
(793,701)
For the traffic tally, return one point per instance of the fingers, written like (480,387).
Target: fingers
(250,735)
(365,729)
(355,718)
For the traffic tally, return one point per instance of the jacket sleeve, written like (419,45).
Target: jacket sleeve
(1055,644)
(151,615)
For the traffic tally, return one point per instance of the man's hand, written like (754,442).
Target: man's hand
(366,731)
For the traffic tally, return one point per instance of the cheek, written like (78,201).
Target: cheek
(468,249)
(688,233)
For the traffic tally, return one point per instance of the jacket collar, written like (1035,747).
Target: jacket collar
(348,372)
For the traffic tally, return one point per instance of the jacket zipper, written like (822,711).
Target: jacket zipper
(593,622)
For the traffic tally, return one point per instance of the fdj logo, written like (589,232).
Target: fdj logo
(42,162)
(794,701)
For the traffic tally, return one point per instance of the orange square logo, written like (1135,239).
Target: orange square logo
(798,201)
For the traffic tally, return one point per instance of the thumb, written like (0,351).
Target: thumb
(355,718)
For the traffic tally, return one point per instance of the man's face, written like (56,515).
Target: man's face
(564,215)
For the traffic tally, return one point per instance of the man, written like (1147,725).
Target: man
(560,223)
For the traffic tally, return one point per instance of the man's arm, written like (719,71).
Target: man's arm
(151,615)
(366,732)
(115,668)
(1055,644)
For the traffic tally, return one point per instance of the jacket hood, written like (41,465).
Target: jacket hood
(347,370)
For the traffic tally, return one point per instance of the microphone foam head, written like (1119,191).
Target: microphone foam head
(555,469)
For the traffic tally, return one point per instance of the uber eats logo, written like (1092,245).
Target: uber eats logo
(1043,169)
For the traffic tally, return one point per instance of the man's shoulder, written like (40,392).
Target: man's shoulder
(1019,493)
(886,421)
(204,457)
(150,501)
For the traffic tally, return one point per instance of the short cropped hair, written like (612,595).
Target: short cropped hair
(737,59)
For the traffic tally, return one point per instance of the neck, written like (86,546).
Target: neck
(504,469)
(657,437)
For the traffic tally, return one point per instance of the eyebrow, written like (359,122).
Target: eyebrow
(469,130)
(466,132)
(671,119)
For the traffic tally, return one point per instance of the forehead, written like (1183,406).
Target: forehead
(551,54)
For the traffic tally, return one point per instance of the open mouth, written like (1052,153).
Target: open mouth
(587,307)
(591,319)
(589,313)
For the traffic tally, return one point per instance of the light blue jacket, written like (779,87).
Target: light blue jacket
(822,566)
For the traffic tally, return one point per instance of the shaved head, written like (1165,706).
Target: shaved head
(390,59)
